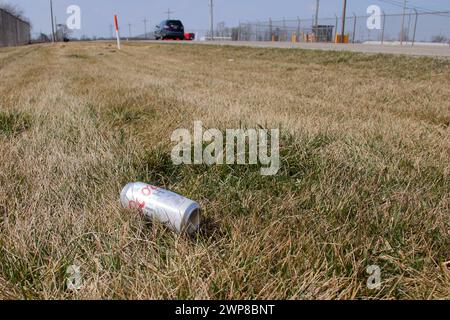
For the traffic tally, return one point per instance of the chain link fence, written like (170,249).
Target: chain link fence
(417,27)
(13,31)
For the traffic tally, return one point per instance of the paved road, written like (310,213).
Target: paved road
(416,50)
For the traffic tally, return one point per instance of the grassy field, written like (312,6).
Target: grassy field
(364,180)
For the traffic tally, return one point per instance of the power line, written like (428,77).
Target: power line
(414,7)
(399,3)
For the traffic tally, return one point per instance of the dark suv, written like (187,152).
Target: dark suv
(169,29)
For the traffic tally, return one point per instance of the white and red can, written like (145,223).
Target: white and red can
(175,211)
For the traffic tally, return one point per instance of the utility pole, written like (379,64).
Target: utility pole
(408,26)
(415,27)
(145,28)
(56,30)
(110,31)
(51,17)
(402,32)
(272,38)
(129,30)
(354,27)
(344,13)
(211,18)
(169,13)
(316,20)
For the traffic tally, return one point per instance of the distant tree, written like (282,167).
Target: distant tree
(14,10)
(43,38)
(439,39)
(235,34)
(405,35)
(63,33)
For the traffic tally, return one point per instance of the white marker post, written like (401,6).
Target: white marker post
(116,22)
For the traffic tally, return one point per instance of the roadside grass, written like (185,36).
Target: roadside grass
(363,178)
(12,123)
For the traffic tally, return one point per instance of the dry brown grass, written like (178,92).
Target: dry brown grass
(364,181)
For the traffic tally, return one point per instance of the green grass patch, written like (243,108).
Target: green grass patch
(78,56)
(13,123)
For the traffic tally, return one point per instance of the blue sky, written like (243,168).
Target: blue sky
(97,14)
